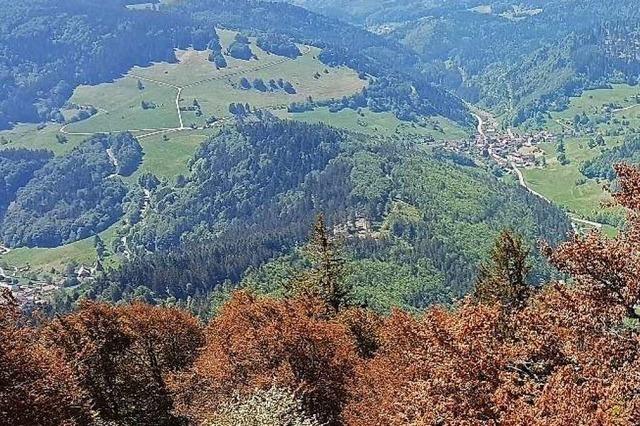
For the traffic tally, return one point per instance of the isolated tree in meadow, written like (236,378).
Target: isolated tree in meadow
(258,84)
(244,83)
(288,87)
(100,247)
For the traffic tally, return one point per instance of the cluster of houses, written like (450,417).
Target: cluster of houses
(360,227)
(506,149)
(33,293)
(510,148)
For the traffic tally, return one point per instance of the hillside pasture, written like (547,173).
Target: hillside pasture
(382,123)
(564,184)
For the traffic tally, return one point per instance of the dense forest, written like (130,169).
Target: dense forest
(246,207)
(17,167)
(74,196)
(507,354)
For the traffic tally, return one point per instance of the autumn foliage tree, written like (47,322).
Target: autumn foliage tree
(37,386)
(122,355)
(256,343)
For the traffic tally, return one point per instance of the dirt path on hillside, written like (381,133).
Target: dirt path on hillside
(179,89)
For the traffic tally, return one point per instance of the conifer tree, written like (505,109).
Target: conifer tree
(324,277)
(503,279)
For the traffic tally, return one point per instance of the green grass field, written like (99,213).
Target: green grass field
(564,184)
(168,158)
(119,103)
(29,136)
(596,102)
(382,123)
(119,106)
(45,260)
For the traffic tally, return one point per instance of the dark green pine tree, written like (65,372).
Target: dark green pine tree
(324,278)
(503,279)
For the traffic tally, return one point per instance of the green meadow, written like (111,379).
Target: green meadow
(382,123)
(564,184)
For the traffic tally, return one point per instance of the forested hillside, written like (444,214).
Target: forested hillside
(603,165)
(72,197)
(507,354)
(49,47)
(17,167)
(253,190)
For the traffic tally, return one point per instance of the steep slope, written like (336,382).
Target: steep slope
(253,192)
(519,59)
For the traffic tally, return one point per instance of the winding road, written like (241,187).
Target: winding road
(616,111)
(574,218)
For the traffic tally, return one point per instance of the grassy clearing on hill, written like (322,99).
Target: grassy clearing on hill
(119,106)
(594,103)
(120,102)
(44,260)
(612,113)
(383,123)
(169,157)
(564,184)
(29,136)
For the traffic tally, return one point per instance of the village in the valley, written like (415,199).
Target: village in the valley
(509,149)
(38,291)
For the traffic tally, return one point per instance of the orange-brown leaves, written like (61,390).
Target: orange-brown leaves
(607,270)
(258,343)
(438,369)
(36,386)
(628,194)
(123,354)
